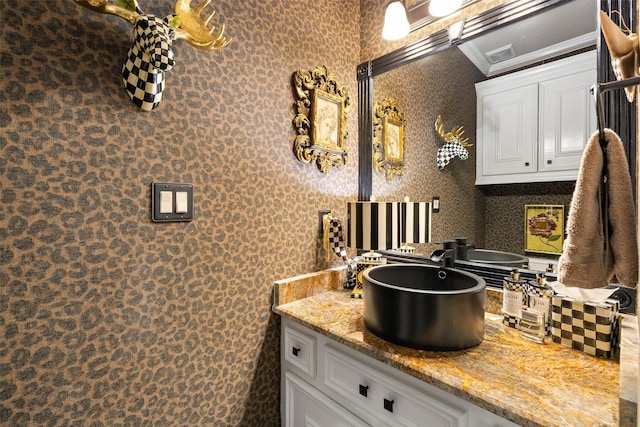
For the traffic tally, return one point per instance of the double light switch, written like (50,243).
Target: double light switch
(167,202)
(171,201)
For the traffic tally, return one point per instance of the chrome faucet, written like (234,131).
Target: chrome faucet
(446,255)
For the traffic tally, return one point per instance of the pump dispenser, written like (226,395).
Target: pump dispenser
(513,298)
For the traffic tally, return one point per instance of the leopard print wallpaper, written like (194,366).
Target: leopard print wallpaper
(109,319)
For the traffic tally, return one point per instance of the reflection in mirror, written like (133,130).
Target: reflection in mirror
(388,138)
(561,30)
(441,84)
(444,84)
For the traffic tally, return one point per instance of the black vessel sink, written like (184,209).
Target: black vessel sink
(424,307)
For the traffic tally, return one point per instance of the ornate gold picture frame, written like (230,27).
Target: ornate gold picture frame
(388,138)
(321,118)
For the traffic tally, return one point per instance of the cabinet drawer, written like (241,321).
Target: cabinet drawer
(300,350)
(389,400)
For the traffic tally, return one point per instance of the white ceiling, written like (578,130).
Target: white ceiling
(560,30)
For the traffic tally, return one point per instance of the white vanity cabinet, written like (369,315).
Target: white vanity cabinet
(533,124)
(325,383)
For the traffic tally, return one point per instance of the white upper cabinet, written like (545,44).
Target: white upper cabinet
(567,120)
(533,124)
(510,131)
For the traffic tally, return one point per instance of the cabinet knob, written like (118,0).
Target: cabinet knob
(526,164)
(364,390)
(388,405)
(549,162)
(295,351)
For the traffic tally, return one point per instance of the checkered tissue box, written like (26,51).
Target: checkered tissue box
(593,328)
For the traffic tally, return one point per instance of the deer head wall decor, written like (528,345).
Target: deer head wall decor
(150,54)
(455,145)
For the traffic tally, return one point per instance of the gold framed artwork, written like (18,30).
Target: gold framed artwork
(321,107)
(326,126)
(388,138)
(544,228)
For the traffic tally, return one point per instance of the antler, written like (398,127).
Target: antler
(103,6)
(193,26)
(455,134)
(440,129)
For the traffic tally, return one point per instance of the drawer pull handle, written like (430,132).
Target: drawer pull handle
(364,390)
(388,405)
(295,351)
(549,162)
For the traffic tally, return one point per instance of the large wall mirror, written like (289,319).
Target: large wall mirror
(437,75)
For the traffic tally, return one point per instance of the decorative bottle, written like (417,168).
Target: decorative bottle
(538,298)
(513,298)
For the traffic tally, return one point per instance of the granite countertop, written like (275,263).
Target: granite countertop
(528,383)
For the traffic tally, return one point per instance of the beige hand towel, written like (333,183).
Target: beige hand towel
(593,252)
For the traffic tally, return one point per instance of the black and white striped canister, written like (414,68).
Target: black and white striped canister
(373,225)
(415,222)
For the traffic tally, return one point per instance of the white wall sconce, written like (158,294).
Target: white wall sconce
(443,7)
(396,24)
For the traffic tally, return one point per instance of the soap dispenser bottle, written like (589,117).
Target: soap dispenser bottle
(539,295)
(513,298)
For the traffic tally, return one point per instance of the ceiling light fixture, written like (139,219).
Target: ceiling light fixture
(440,8)
(396,24)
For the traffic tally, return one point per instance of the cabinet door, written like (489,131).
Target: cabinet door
(509,131)
(307,407)
(567,120)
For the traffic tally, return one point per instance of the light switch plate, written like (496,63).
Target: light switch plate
(177,203)
(435,204)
